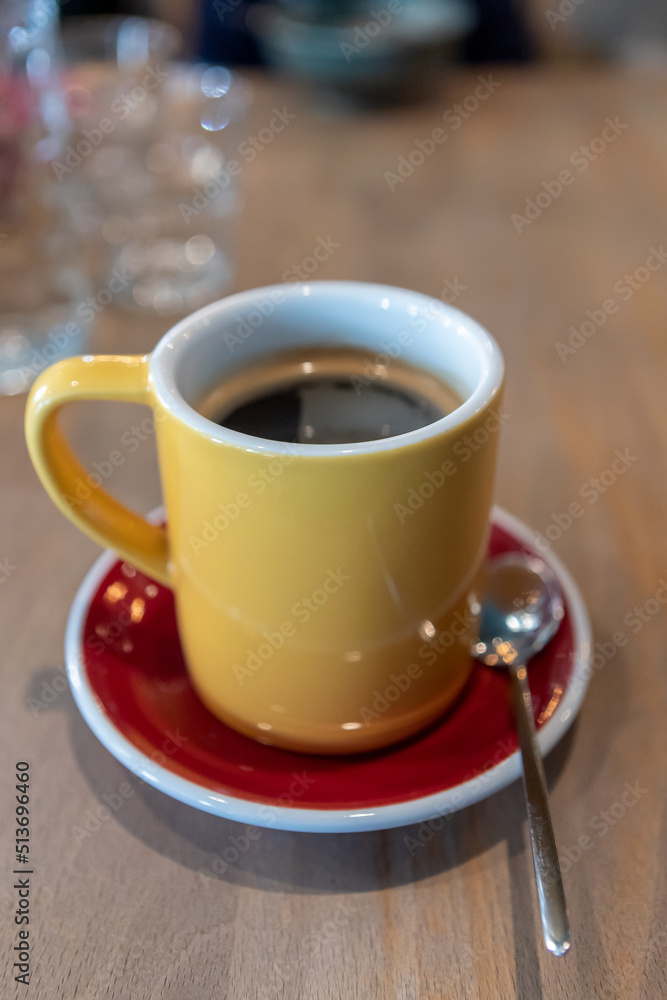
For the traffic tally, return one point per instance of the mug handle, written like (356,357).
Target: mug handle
(106,520)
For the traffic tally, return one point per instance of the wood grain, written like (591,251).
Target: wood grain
(137,910)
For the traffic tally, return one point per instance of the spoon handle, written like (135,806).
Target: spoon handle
(551,894)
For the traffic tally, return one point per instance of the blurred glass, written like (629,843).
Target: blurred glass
(41,284)
(115,68)
(175,230)
(155,200)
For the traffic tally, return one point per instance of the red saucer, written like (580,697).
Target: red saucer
(146,712)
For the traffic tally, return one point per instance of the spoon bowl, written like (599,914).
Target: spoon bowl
(522,607)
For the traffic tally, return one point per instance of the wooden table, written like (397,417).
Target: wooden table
(127,912)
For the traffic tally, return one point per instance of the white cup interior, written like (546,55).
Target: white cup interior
(388,322)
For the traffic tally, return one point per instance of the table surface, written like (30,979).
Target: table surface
(134,909)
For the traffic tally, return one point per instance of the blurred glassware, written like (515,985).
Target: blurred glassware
(359,50)
(115,68)
(166,204)
(41,286)
(152,139)
(30,60)
(179,244)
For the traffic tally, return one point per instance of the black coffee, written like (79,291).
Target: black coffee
(328,396)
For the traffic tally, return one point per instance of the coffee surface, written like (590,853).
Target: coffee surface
(328,396)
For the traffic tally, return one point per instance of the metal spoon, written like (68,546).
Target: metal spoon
(522,609)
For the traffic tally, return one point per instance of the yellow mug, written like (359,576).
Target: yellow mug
(325,594)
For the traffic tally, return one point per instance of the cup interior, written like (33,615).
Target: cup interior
(390,323)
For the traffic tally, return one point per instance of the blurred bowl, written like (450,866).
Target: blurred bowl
(389,53)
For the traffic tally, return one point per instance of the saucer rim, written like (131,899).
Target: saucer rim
(313,819)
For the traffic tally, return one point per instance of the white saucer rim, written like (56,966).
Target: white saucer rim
(314,820)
